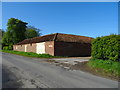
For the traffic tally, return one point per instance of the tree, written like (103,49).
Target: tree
(32,32)
(15,32)
(1,35)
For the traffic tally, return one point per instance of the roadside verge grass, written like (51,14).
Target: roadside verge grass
(106,67)
(29,54)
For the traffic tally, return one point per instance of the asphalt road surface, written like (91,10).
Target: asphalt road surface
(24,72)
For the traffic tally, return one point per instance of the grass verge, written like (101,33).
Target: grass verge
(105,68)
(29,54)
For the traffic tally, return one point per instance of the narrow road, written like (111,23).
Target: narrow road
(35,73)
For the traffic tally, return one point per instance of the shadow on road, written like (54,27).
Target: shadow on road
(9,79)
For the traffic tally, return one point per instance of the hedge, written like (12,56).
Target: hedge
(106,47)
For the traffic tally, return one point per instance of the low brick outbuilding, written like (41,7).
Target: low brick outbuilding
(57,45)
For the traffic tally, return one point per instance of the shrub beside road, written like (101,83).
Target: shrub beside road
(106,48)
(106,56)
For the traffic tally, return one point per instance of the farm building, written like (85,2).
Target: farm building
(57,45)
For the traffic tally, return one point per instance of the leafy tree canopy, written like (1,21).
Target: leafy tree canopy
(15,32)
(32,32)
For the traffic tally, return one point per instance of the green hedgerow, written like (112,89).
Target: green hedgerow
(106,48)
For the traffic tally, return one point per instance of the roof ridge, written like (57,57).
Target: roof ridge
(54,38)
(73,35)
(77,35)
(58,37)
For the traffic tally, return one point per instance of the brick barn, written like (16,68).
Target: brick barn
(57,45)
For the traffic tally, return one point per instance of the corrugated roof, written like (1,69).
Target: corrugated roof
(58,37)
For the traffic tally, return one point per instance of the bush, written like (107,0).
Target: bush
(7,48)
(106,48)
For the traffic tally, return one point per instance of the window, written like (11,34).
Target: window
(50,46)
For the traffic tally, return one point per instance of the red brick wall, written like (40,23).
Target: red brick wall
(59,48)
(19,47)
(30,47)
(72,49)
(49,47)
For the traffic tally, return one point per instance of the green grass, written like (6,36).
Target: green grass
(106,66)
(30,54)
